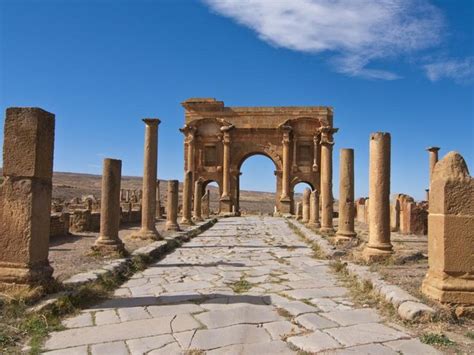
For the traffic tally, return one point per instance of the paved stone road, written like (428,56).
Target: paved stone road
(186,302)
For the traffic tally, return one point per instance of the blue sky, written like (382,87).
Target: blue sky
(402,66)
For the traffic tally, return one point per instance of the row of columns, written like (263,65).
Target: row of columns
(25,198)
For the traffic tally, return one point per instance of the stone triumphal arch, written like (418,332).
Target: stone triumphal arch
(218,139)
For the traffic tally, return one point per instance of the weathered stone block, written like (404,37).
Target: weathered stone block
(29,143)
(450,277)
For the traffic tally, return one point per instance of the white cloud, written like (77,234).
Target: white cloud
(460,70)
(354,32)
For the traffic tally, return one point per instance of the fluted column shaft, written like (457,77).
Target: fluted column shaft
(346,195)
(109,240)
(148,229)
(197,212)
(326,179)
(379,245)
(314,209)
(172,206)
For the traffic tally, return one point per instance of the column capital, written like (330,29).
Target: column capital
(433,149)
(327,135)
(187,129)
(227,128)
(151,121)
(226,137)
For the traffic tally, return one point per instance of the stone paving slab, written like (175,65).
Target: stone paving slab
(248,285)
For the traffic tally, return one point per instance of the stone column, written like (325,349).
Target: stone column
(314,210)
(379,245)
(305,213)
(205,204)
(299,210)
(172,206)
(395,214)
(25,198)
(187,198)
(327,201)
(433,153)
(109,241)
(346,230)
(427,191)
(450,276)
(285,199)
(148,229)
(197,212)
(226,201)
(158,201)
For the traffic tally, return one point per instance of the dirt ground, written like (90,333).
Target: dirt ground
(72,254)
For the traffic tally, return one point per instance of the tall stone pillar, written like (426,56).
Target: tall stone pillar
(379,245)
(305,213)
(226,200)
(285,199)
(197,212)
(327,201)
(433,153)
(346,230)
(25,198)
(206,204)
(172,206)
(148,229)
(450,276)
(109,241)
(158,201)
(314,209)
(187,198)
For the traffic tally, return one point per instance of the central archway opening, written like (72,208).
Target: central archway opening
(257,185)
(297,194)
(212,188)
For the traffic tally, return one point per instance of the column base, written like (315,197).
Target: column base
(327,230)
(345,237)
(316,225)
(107,246)
(146,234)
(225,205)
(285,205)
(346,234)
(380,253)
(445,288)
(198,219)
(19,277)
(171,226)
(186,221)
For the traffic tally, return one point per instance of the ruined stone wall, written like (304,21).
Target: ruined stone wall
(59,225)
(361,210)
(408,216)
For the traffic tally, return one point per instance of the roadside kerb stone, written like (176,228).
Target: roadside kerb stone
(408,307)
